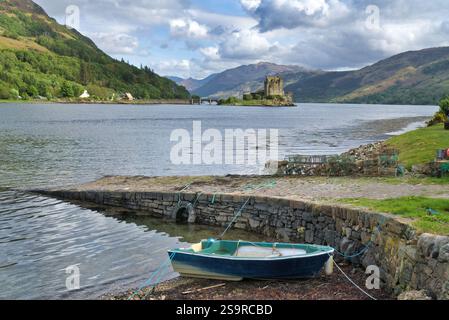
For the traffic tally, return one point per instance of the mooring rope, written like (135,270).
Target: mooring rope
(356,254)
(149,282)
(234,218)
(352,281)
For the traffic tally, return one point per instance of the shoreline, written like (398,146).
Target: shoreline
(80,102)
(188,102)
(333,287)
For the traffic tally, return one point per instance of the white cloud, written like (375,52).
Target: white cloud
(244,44)
(328,34)
(250,5)
(116,43)
(180,68)
(211,53)
(187,28)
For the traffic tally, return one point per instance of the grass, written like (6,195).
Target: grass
(420,146)
(22,44)
(415,208)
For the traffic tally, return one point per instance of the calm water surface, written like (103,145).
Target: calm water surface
(57,145)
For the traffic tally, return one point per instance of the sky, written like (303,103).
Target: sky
(195,38)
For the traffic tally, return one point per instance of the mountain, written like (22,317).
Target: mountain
(234,82)
(39,57)
(414,77)
(192,84)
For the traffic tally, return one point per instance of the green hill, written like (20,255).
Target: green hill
(39,57)
(414,77)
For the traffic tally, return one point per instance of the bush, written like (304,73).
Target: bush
(247,97)
(444,106)
(99,92)
(67,90)
(5,93)
(32,91)
(441,116)
(438,118)
(14,93)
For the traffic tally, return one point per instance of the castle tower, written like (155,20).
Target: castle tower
(274,86)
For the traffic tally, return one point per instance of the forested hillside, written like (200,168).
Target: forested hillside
(40,58)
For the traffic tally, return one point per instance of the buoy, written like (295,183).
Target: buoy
(329,268)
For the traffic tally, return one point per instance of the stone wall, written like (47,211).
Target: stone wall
(407,261)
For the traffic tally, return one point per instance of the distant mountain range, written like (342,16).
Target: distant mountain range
(234,82)
(190,83)
(41,58)
(414,77)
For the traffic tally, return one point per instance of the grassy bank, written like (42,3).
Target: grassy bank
(417,208)
(419,146)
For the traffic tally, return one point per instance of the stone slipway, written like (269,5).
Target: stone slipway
(281,208)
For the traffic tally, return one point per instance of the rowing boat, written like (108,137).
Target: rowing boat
(238,260)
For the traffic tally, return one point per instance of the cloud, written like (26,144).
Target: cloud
(290,14)
(190,38)
(250,5)
(174,67)
(187,28)
(244,44)
(211,53)
(116,43)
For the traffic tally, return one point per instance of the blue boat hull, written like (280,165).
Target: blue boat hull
(194,265)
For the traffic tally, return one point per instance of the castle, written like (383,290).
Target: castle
(274,86)
(273,89)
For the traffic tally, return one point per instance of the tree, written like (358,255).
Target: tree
(67,90)
(85,74)
(444,106)
(32,91)
(4,93)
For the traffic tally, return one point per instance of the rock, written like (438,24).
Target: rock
(426,244)
(254,224)
(308,235)
(425,169)
(348,232)
(414,295)
(444,253)
(307,216)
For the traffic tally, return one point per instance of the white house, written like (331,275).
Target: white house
(85,95)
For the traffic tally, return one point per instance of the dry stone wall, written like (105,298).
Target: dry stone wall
(407,260)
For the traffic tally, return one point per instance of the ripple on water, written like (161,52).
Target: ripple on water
(41,237)
(58,145)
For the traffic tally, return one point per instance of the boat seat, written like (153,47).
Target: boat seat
(267,252)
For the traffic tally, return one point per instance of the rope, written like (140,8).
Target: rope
(356,254)
(149,281)
(159,278)
(179,193)
(197,199)
(351,281)
(235,218)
